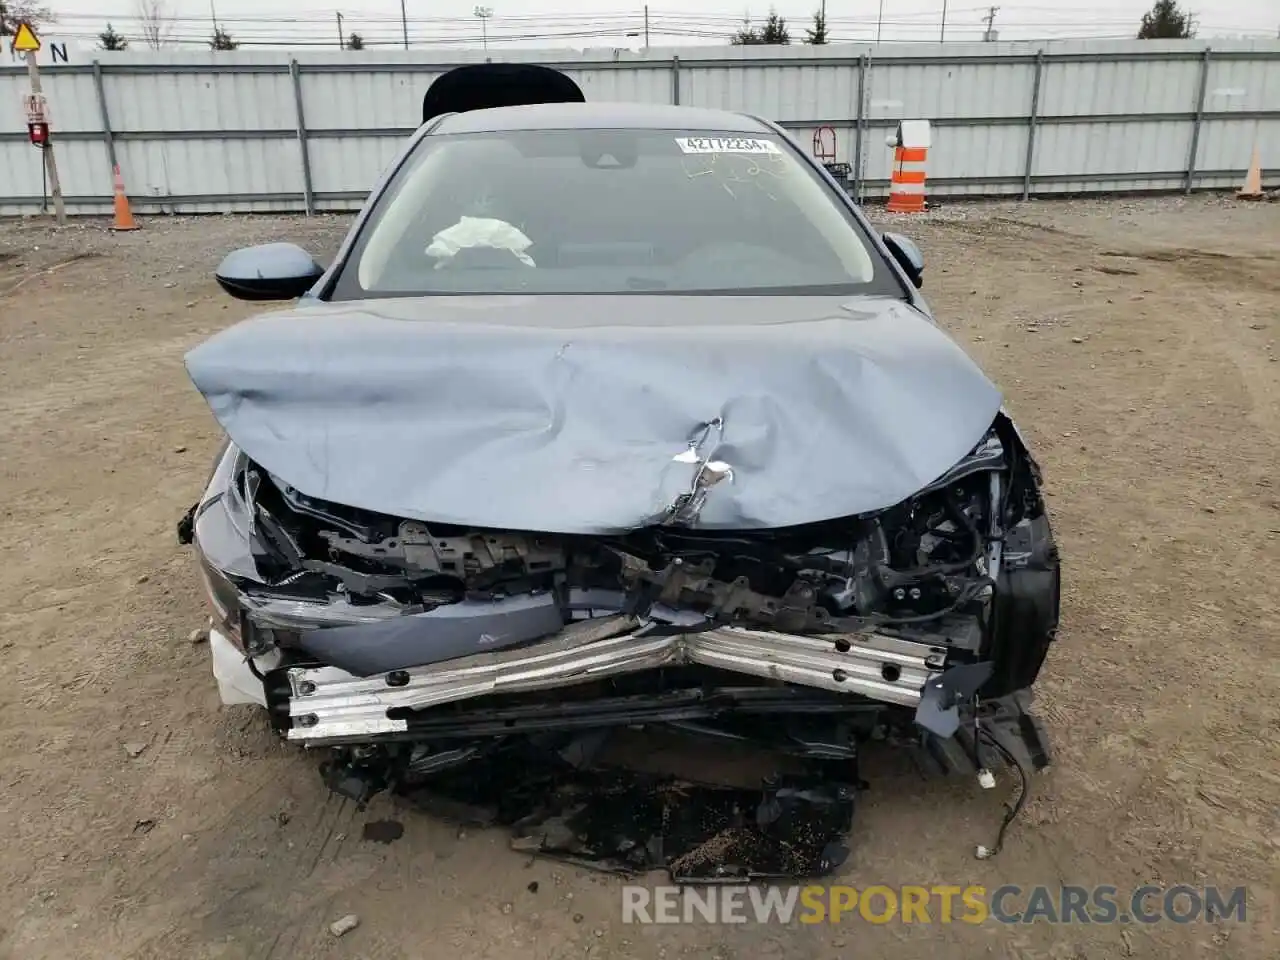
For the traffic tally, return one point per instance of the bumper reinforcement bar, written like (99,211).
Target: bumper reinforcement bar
(326,705)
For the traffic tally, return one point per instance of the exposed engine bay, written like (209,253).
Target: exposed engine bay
(916,563)
(411,648)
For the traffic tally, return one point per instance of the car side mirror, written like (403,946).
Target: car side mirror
(908,256)
(270,271)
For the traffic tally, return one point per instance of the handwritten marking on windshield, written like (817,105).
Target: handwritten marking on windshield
(737,169)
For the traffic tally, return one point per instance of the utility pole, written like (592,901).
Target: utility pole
(646,26)
(942,36)
(991,21)
(55,186)
(213,14)
(484,13)
(879,21)
(404,24)
(342,43)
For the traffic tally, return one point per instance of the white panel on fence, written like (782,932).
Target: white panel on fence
(363,101)
(988,153)
(1109,186)
(954,90)
(200,101)
(1236,85)
(73,104)
(13,87)
(627,85)
(1228,145)
(978,152)
(1074,89)
(83,169)
(21,163)
(801,93)
(211,168)
(351,164)
(1095,149)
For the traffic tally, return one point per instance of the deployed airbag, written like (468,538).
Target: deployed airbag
(479,232)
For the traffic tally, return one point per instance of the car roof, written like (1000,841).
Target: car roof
(599,116)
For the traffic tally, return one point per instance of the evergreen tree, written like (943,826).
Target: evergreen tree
(818,33)
(774,31)
(222,40)
(108,39)
(1165,21)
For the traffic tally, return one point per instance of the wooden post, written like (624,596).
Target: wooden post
(59,208)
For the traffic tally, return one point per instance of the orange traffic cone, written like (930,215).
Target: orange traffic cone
(124,216)
(1252,189)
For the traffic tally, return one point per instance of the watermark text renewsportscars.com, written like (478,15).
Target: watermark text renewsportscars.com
(933,904)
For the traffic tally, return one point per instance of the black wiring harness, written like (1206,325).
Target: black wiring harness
(1011,810)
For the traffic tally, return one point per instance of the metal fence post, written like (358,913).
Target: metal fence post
(859,119)
(108,137)
(308,196)
(1197,122)
(1036,81)
(675,81)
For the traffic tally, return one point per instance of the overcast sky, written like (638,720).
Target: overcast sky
(607,23)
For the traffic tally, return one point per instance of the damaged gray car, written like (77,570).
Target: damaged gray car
(614,416)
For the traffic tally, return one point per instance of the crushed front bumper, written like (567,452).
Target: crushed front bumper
(328,706)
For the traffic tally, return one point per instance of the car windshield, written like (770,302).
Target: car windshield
(610,212)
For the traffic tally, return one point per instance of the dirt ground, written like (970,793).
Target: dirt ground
(1137,343)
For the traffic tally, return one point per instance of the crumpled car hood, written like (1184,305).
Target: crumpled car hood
(577,414)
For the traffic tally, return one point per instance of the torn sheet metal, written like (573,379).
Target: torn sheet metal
(568,414)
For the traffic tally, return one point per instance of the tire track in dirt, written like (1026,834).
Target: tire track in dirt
(9,287)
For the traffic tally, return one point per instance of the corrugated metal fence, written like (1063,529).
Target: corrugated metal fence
(277,131)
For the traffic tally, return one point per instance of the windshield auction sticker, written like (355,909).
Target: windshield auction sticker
(726,145)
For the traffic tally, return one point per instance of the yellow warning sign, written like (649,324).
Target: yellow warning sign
(25,40)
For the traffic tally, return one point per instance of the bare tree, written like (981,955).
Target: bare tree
(155,22)
(14,12)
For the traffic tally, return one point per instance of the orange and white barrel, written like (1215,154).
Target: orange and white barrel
(907,178)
